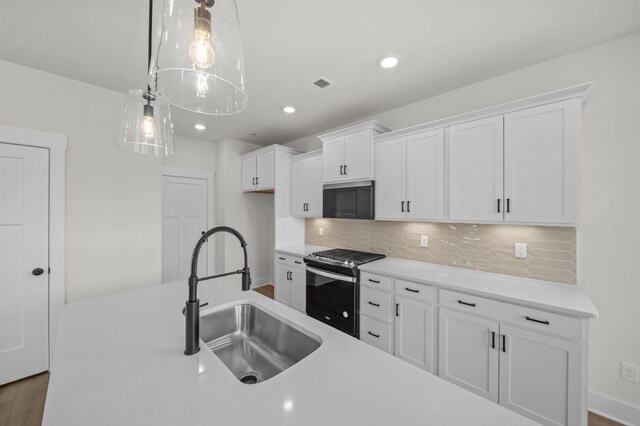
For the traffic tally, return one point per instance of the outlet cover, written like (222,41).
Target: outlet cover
(321,231)
(629,372)
(521,250)
(424,241)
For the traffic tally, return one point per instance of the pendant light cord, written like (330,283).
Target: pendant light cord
(149,42)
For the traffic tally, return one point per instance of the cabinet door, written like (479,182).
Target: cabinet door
(414,332)
(475,171)
(249,173)
(425,175)
(468,352)
(283,284)
(357,156)
(314,187)
(333,159)
(391,179)
(299,289)
(540,376)
(298,187)
(541,151)
(264,177)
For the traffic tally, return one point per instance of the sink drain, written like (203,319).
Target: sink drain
(249,379)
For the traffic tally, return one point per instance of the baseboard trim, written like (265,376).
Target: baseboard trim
(619,411)
(259,282)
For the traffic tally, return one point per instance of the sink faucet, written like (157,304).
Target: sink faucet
(192,310)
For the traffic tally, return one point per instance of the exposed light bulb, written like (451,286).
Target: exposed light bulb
(148,125)
(200,50)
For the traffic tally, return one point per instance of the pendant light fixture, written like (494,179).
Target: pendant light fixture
(147,127)
(197,61)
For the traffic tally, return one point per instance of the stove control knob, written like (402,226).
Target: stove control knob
(345,314)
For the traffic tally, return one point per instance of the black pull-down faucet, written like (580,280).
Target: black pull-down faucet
(192,309)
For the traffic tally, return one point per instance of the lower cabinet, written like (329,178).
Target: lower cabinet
(291,282)
(414,332)
(529,372)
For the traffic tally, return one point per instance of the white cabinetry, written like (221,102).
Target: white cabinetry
(257,172)
(499,356)
(348,153)
(306,185)
(291,282)
(410,177)
(520,168)
(376,306)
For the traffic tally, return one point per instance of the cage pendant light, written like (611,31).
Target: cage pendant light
(197,61)
(147,127)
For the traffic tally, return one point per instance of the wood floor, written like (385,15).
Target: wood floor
(22,401)
(266,290)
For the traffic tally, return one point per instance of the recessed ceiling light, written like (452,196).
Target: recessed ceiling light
(200,126)
(389,61)
(289,109)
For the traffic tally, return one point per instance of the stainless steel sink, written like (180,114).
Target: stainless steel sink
(253,344)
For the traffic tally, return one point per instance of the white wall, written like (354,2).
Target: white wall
(609,234)
(113,197)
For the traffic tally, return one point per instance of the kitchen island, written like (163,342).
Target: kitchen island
(119,361)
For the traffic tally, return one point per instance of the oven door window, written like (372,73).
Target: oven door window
(331,301)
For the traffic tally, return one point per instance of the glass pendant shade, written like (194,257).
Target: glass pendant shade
(147,127)
(197,61)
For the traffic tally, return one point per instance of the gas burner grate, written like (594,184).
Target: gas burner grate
(348,255)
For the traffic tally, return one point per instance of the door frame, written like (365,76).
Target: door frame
(210,178)
(57,146)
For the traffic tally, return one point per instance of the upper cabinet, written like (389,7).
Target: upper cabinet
(410,177)
(258,168)
(348,153)
(519,168)
(306,185)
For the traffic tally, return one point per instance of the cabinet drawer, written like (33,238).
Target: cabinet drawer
(376,281)
(291,261)
(415,290)
(375,303)
(376,333)
(535,319)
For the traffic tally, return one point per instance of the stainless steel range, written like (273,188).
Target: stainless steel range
(333,288)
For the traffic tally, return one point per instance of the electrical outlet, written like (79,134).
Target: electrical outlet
(629,372)
(424,241)
(321,231)
(521,250)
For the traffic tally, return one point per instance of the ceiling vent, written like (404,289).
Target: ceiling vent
(318,85)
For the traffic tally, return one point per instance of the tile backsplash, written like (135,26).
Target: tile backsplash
(551,250)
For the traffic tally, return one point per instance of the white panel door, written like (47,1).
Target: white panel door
(414,332)
(475,171)
(283,284)
(298,289)
(391,179)
(541,163)
(540,376)
(333,160)
(249,173)
(298,187)
(264,167)
(425,175)
(24,247)
(357,156)
(184,218)
(468,352)
(314,187)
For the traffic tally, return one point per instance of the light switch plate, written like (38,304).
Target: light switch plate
(424,241)
(321,231)
(521,250)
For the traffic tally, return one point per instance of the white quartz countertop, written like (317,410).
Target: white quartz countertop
(301,250)
(561,298)
(119,361)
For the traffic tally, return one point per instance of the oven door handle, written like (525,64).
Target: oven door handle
(331,275)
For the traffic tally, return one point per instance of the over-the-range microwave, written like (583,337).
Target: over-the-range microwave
(353,200)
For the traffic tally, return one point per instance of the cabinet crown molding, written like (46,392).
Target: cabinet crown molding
(274,147)
(310,154)
(371,124)
(581,91)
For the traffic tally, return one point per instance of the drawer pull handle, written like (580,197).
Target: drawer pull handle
(281,258)
(536,320)
(374,304)
(377,336)
(473,305)
(297,261)
(412,290)
(374,281)
(504,343)
(493,340)
(397,309)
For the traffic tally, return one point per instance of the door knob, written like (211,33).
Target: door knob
(37,271)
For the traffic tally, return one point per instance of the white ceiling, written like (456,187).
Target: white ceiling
(290,43)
